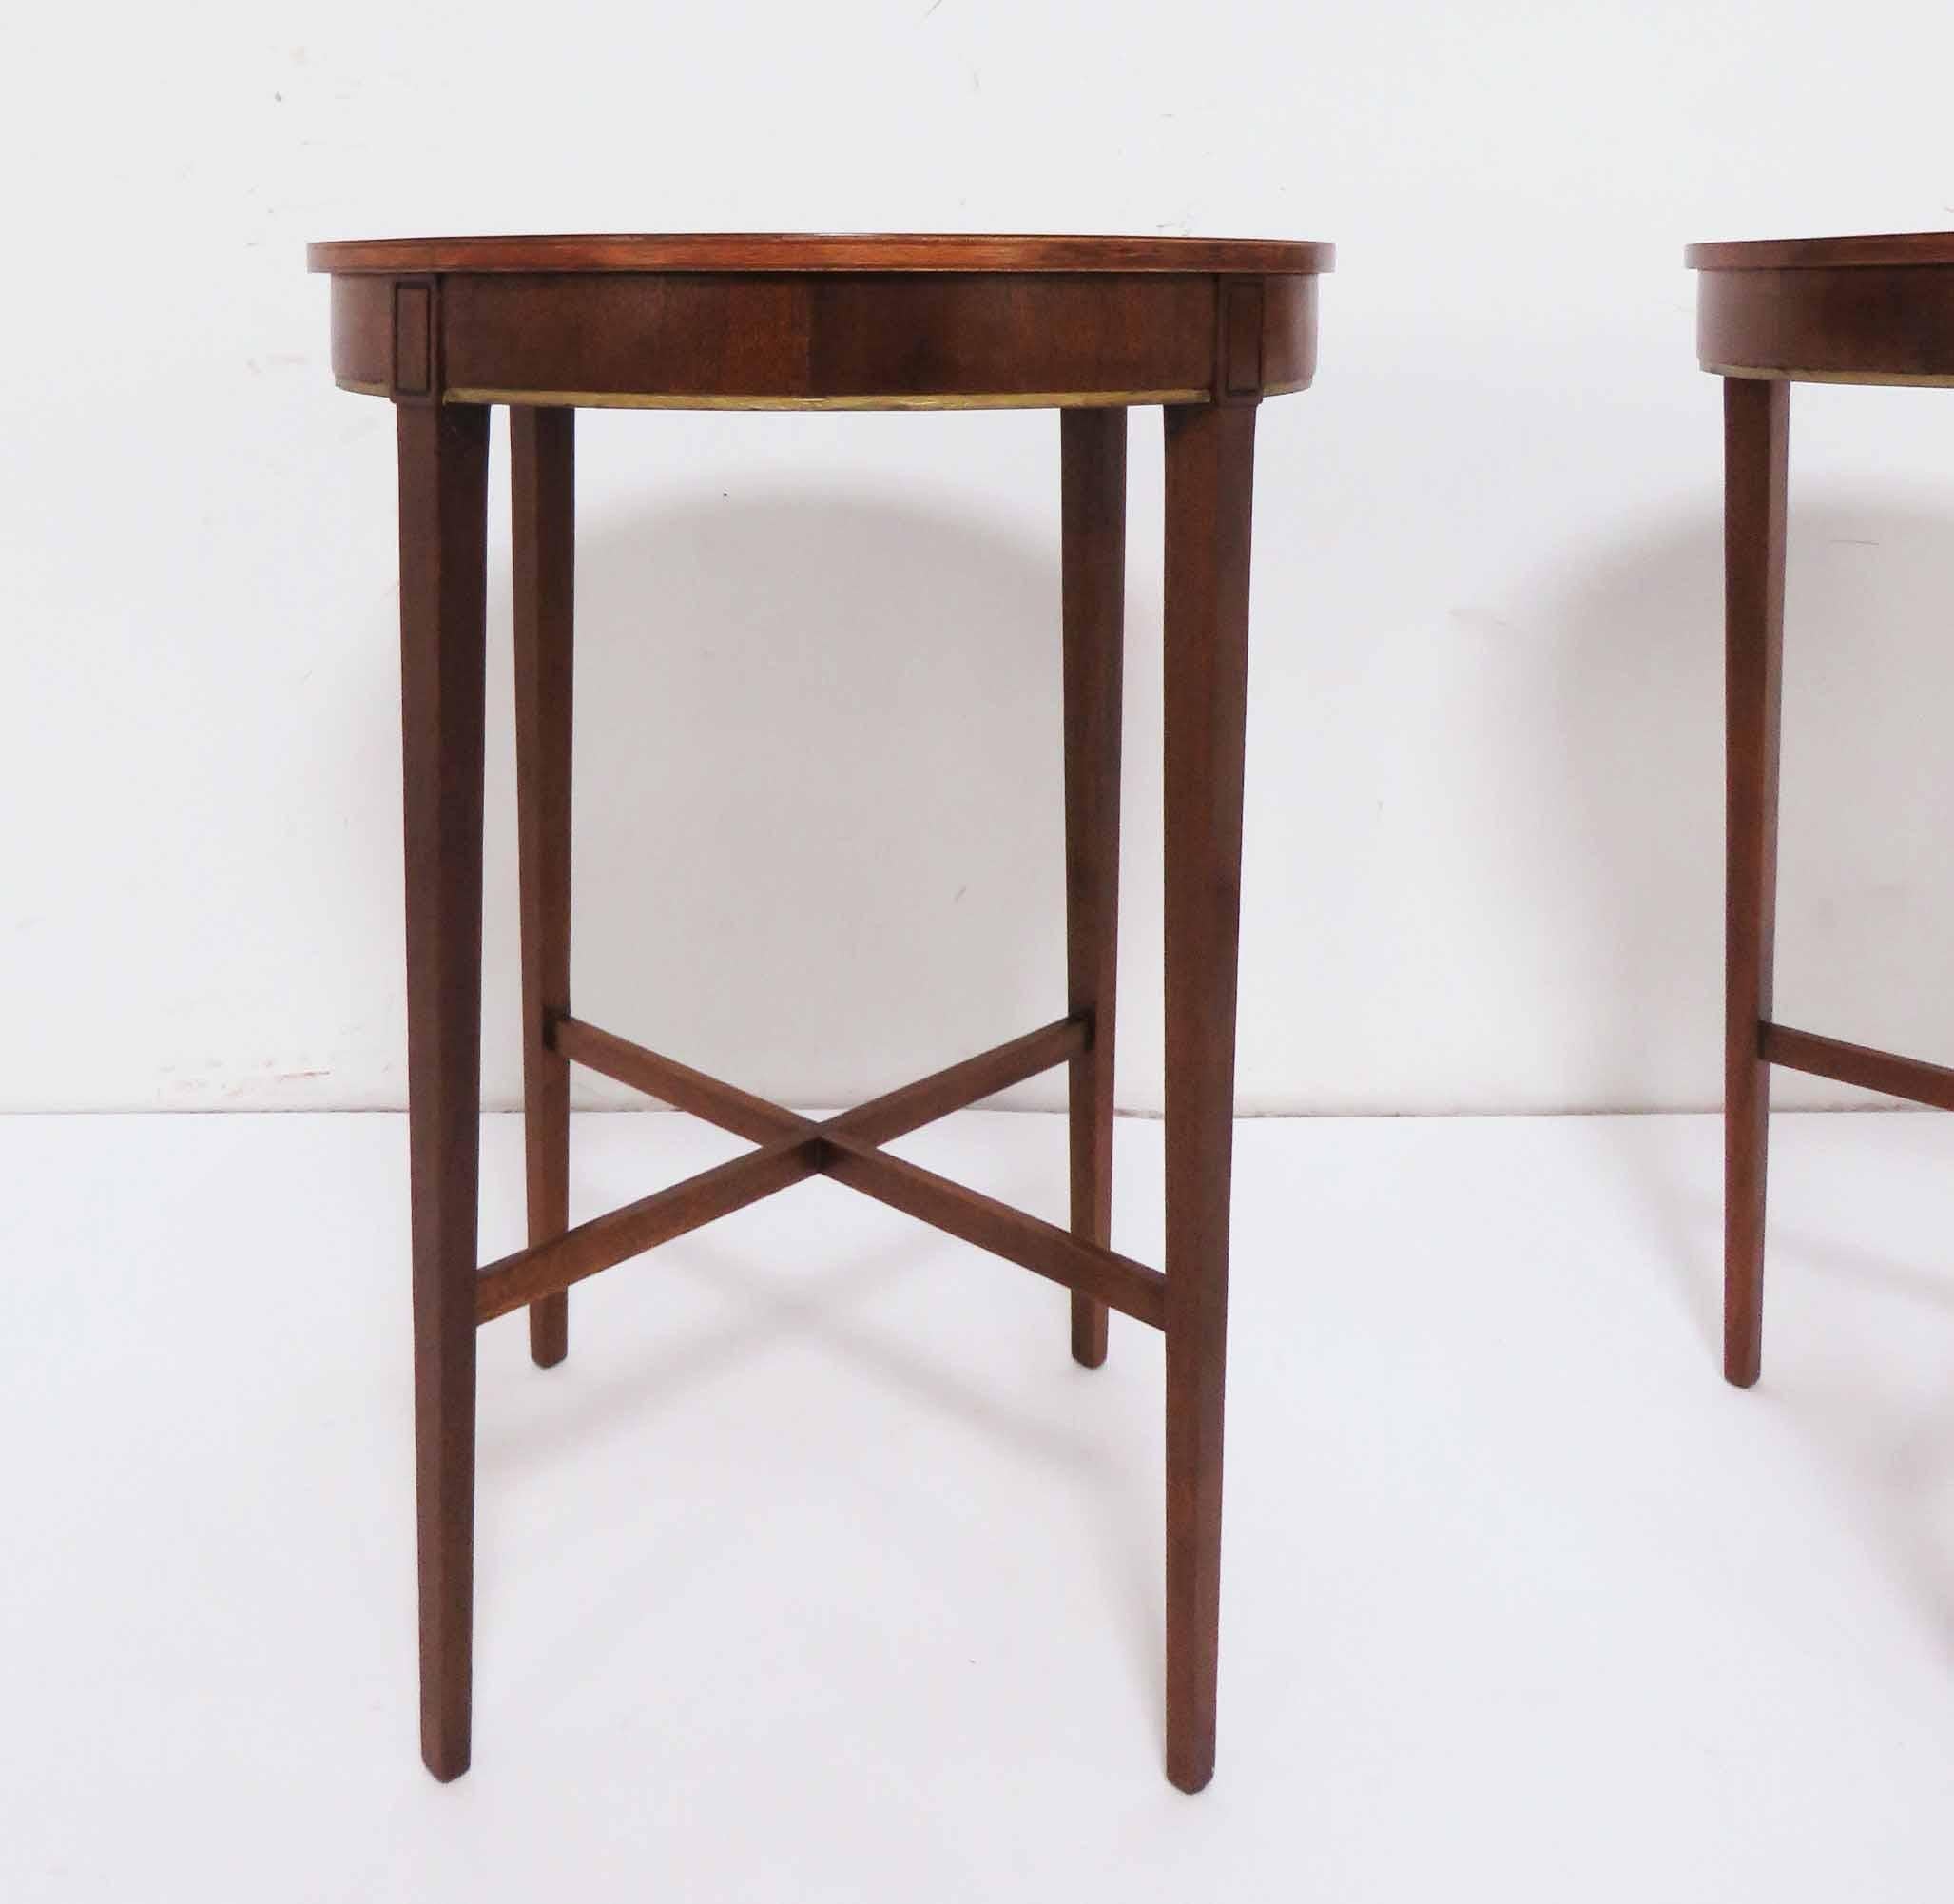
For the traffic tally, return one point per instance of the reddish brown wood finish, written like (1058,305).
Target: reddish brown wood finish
(1911,1077)
(444,461)
(674,1083)
(876,1122)
(805,251)
(1093,517)
(1755,419)
(1884,248)
(1209,474)
(1860,310)
(957,1085)
(917,340)
(534,1274)
(1876,324)
(1090,326)
(1105,1275)
(845,1147)
(542,482)
(1851,310)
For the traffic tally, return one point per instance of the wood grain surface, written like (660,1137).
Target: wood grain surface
(817,251)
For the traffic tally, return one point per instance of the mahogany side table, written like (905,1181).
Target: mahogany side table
(446,328)
(1769,315)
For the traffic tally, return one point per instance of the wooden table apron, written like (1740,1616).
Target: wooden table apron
(446,328)
(872,341)
(1827,310)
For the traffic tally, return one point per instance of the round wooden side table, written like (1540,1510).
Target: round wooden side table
(1769,315)
(446,328)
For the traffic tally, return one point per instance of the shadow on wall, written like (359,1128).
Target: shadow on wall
(818,794)
(1866,921)
(1865,916)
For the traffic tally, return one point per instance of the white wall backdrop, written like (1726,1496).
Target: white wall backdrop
(1483,833)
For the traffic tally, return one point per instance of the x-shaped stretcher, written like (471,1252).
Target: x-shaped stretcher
(847,1147)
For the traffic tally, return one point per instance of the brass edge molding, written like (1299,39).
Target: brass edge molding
(1897,378)
(586,399)
(1028,399)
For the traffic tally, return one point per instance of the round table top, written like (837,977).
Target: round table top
(820,251)
(1775,254)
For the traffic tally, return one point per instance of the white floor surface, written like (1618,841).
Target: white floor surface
(820,1572)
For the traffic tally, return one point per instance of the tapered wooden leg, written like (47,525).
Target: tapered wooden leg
(542,480)
(444,510)
(1210,453)
(1756,434)
(1093,491)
